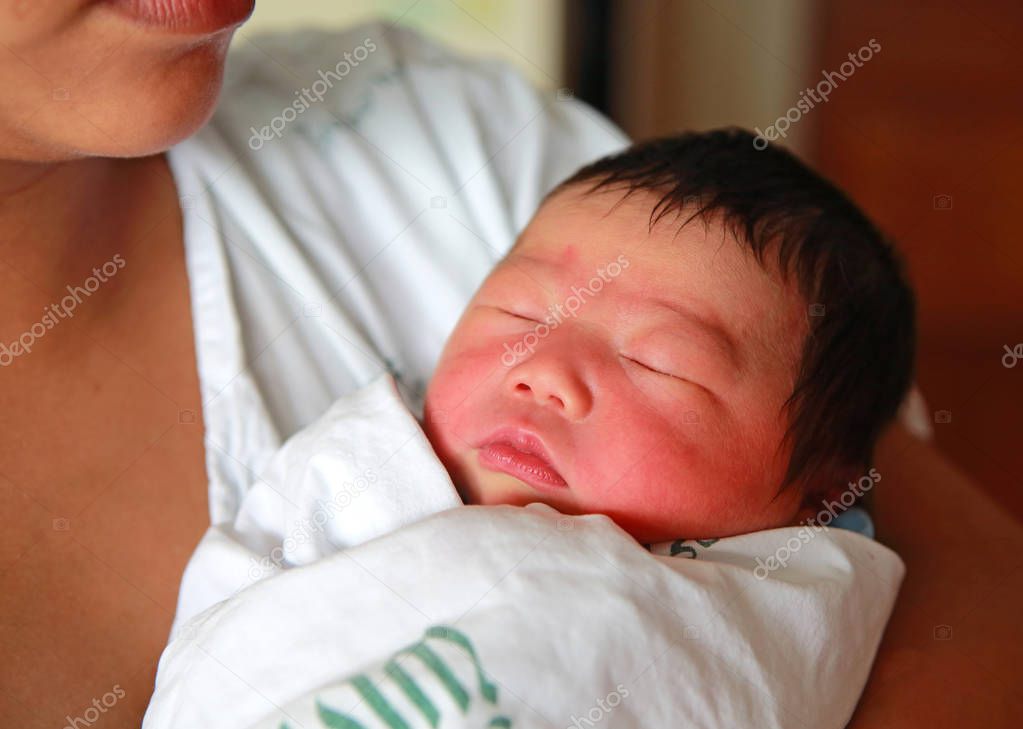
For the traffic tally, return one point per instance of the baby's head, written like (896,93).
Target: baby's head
(697,336)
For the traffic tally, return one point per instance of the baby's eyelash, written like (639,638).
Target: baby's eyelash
(668,374)
(652,369)
(512,313)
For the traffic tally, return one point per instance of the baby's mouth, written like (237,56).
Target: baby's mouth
(522,455)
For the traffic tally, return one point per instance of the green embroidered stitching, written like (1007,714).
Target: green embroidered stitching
(383,709)
(679,547)
(440,669)
(413,692)
(376,700)
(334,720)
(488,689)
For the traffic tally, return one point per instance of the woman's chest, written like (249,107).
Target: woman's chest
(103,486)
(88,585)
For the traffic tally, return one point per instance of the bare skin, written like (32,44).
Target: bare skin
(94,435)
(954,644)
(101,462)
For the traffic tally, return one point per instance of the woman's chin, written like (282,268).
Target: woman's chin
(119,115)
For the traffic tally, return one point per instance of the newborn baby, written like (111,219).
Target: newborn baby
(694,337)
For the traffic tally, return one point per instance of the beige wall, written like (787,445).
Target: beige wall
(699,64)
(528,33)
(676,64)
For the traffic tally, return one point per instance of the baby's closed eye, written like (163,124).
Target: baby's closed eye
(652,368)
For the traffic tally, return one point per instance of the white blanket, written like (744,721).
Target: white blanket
(500,616)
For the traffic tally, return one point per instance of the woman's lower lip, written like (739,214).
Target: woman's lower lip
(526,467)
(186,16)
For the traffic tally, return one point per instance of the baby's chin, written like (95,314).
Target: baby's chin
(492,489)
(481,487)
(488,488)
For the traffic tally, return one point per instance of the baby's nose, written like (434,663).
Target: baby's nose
(551,384)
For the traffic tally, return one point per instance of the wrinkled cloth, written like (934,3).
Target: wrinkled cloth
(362,469)
(355,587)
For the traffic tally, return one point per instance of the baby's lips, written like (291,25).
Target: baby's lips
(521,450)
(527,467)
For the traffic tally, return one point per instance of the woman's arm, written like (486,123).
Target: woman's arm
(953,650)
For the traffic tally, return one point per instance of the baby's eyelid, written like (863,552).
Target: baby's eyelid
(660,372)
(644,365)
(509,312)
(668,374)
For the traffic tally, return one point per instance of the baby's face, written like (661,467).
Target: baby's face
(604,369)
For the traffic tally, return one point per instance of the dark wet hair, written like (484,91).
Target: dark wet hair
(858,356)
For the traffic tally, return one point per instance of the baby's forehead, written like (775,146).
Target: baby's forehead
(574,227)
(700,262)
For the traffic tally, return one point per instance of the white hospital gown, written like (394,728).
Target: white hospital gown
(350,244)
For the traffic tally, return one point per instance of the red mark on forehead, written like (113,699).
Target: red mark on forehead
(570,255)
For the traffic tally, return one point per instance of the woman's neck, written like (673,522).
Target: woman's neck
(60,220)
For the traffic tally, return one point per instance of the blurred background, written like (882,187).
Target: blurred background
(914,108)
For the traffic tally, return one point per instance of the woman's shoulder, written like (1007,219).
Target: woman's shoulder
(282,64)
(410,100)
(300,54)
(350,193)
(343,75)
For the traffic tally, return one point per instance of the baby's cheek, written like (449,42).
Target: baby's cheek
(666,480)
(635,466)
(673,478)
(458,374)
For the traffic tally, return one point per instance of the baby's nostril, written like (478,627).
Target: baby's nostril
(558,400)
(522,387)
